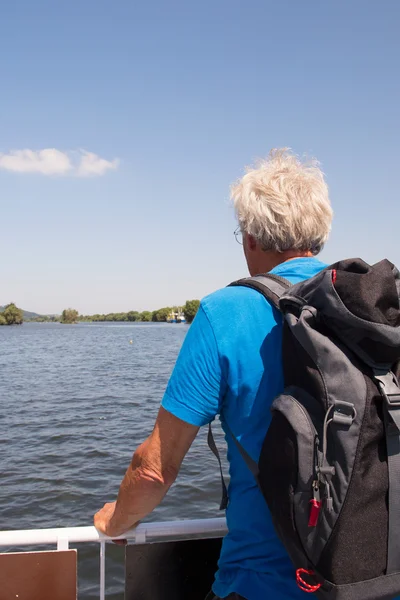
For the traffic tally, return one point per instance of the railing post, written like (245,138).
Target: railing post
(62,542)
(102,570)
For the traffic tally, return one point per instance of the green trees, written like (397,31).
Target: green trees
(116,317)
(145,316)
(157,316)
(133,315)
(190,309)
(69,316)
(11,315)
(95,317)
(161,314)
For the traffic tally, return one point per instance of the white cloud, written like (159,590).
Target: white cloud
(51,161)
(92,165)
(47,162)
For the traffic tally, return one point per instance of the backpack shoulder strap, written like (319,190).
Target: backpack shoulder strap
(272,287)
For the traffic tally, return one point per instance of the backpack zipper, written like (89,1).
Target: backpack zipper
(316,503)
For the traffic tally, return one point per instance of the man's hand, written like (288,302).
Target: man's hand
(106,521)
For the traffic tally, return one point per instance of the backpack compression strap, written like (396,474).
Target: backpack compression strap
(390,391)
(272,287)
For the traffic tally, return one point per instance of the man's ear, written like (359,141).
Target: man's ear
(252,242)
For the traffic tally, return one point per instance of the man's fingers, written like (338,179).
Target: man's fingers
(103,517)
(105,522)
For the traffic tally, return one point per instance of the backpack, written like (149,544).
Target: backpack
(329,467)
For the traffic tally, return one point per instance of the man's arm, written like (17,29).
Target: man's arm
(153,469)
(191,400)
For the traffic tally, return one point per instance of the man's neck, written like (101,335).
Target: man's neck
(269,260)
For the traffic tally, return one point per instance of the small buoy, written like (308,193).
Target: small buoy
(130,341)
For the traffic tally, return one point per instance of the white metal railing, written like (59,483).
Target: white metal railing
(144,533)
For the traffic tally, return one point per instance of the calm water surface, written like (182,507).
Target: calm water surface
(75,402)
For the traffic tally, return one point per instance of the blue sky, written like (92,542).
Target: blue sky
(154,109)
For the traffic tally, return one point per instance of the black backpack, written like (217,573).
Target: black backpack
(329,468)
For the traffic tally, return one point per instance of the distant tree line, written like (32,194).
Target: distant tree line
(70,315)
(159,316)
(43,319)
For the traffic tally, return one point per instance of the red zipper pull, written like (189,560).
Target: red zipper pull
(315,505)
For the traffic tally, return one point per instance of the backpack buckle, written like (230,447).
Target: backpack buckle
(391,399)
(388,387)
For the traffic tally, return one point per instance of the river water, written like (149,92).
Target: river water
(75,402)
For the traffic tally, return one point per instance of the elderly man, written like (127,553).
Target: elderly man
(230,365)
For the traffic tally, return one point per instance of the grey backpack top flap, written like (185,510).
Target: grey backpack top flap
(360,304)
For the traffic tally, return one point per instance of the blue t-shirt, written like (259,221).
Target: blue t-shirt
(230,364)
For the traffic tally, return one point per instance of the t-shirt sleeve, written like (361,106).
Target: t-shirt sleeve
(196,386)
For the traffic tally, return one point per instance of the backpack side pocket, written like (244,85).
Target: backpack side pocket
(288,472)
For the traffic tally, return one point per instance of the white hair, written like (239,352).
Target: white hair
(284,203)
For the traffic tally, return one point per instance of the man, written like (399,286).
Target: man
(230,365)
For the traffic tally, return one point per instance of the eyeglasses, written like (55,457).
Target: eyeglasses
(238,235)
